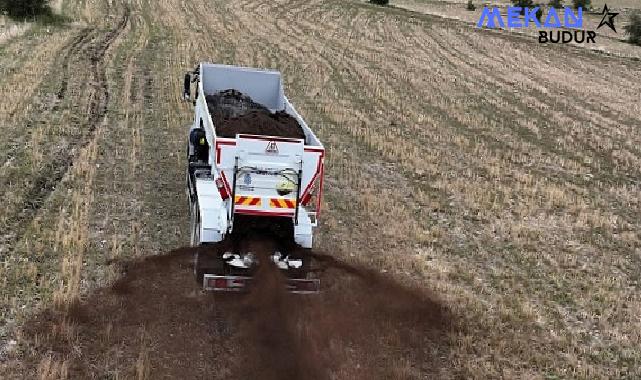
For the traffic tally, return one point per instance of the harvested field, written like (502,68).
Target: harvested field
(234,113)
(498,175)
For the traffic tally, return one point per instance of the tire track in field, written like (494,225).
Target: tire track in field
(89,48)
(19,83)
(73,49)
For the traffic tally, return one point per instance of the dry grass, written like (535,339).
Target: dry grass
(10,29)
(50,369)
(143,370)
(499,172)
(72,237)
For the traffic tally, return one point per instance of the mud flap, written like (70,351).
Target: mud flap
(303,230)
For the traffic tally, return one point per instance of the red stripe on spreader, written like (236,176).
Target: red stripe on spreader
(218,150)
(222,174)
(240,200)
(269,138)
(225,142)
(290,203)
(254,201)
(319,170)
(320,191)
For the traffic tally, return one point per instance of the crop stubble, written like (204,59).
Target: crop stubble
(508,183)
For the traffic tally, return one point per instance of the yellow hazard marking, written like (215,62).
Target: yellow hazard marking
(247,201)
(282,203)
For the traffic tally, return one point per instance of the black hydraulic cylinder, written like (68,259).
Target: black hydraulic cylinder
(187,87)
(300,179)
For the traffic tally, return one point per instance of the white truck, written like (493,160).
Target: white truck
(255,171)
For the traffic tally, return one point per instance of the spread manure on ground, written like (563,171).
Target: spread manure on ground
(157,322)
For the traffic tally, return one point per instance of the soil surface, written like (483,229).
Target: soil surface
(235,113)
(158,323)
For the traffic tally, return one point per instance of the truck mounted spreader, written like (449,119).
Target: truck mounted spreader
(254,178)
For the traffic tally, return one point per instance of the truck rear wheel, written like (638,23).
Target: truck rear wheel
(188,187)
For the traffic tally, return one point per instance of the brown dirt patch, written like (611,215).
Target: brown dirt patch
(156,323)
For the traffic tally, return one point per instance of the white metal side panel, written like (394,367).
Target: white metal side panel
(263,86)
(253,150)
(213,213)
(226,158)
(312,168)
(309,134)
(258,192)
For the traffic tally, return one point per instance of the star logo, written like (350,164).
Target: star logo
(608,18)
